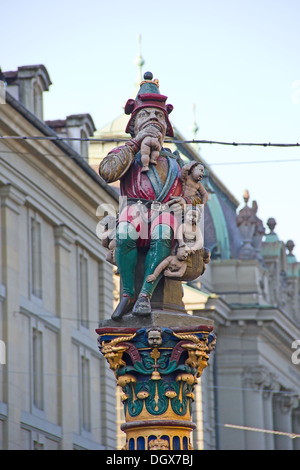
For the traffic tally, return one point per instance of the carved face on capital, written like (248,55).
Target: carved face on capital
(150,117)
(154,338)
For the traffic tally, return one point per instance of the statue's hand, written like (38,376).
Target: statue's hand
(150,278)
(176,204)
(149,131)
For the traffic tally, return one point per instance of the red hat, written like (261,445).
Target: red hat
(149,97)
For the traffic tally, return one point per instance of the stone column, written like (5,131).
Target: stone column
(11,202)
(253,381)
(268,391)
(296,426)
(64,238)
(157,367)
(283,404)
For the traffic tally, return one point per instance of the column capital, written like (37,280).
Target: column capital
(12,197)
(256,377)
(286,401)
(270,386)
(64,236)
(157,369)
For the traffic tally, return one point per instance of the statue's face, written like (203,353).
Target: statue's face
(154,338)
(192,216)
(198,172)
(182,254)
(150,117)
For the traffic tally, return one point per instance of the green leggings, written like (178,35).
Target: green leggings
(126,255)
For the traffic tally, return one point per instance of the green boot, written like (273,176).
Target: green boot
(126,256)
(160,248)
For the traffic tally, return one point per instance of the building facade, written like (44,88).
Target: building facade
(55,285)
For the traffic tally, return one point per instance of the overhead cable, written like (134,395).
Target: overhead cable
(173,141)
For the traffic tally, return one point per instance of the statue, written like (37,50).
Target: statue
(251,229)
(156,242)
(191,176)
(172,266)
(156,195)
(150,148)
(108,237)
(189,232)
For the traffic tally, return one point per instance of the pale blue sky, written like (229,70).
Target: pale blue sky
(237,61)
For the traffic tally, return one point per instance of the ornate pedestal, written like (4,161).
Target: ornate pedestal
(157,367)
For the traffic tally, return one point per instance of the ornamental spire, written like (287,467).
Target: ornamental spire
(139,62)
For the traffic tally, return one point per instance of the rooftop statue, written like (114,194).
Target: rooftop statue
(157,194)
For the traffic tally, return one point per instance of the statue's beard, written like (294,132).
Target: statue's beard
(153,124)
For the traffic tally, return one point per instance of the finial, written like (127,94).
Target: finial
(148,76)
(254,206)
(290,245)
(246,196)
(195,128)
(139,61)
(271,223)
(2,78)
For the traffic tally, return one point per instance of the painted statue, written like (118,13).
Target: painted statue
(191,176)
(150,179)
(171,266)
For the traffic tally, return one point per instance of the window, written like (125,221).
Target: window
(85,394)
(83,290)
(37,369)
(36,257)
(38,445)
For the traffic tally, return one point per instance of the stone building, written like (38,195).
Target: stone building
(55,285)
(251,289)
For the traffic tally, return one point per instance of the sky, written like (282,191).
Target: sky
(235,62)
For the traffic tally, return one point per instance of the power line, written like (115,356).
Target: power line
(174,141)
(255,162)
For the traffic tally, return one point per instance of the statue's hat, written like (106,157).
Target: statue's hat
(149,97)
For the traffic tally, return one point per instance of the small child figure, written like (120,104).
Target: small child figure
(173,265)
(150,149)
(191,175)
(108,237)
(191,234)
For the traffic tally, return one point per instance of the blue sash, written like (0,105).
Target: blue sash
(160,190)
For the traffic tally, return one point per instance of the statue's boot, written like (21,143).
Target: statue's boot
(126,256)
(160,248)
(124,306)
(142,305)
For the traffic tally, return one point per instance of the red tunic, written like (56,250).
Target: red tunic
(136,184)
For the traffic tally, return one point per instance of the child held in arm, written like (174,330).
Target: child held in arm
(191,176)
(172,266)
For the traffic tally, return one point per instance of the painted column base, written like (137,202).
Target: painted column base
(157,366)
